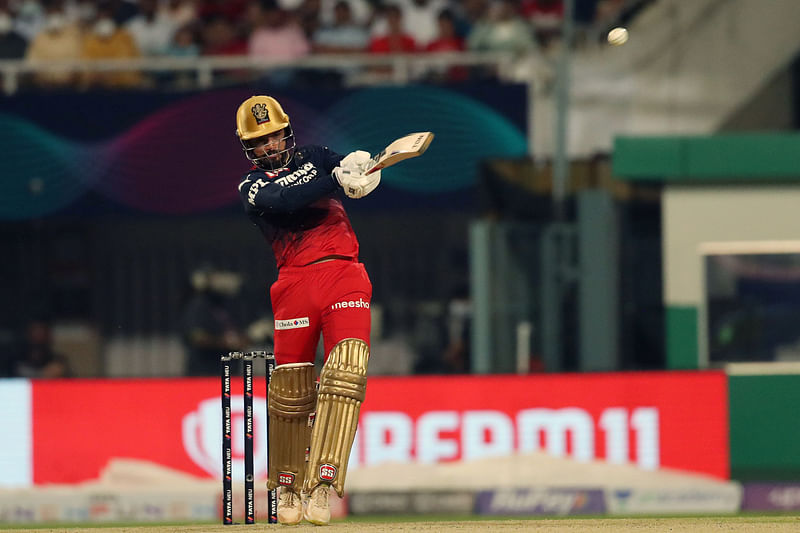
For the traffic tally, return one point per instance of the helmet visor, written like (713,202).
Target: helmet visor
(271,152)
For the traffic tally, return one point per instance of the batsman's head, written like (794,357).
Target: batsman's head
(265,132)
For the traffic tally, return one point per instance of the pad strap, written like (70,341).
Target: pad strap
(342,386)
(292,397)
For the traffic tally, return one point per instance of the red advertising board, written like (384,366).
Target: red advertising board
(659,419)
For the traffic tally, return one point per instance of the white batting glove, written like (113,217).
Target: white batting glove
(358,160)
(355,183)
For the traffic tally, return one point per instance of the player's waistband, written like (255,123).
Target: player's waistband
(320,264)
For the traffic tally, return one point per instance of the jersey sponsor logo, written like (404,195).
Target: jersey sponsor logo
(292,323)
(254,188)
(302,175)
(251,194)
(344,304)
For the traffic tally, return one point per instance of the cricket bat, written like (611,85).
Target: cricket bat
(406,147)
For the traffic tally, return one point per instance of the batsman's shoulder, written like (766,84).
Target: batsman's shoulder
(250,176)
(313,150)
(307,148)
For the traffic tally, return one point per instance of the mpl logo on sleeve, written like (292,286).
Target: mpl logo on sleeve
(292,323)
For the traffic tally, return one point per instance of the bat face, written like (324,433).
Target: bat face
(411,145)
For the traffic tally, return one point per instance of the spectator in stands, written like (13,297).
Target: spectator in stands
(232,10)
(277,36)
(122,11)
(390,338)
(308,16)
(420,19)
(12,44)
(344,35)
(29,17)
(84,12)
(36,358)
(219,38)
(545,17)
(183,43)
(394,40)
(456,354)
(209,326)
(107,40)
(502,30)
(362,11)
(428,337)
(152,28)
(182,12)
(58,41)
(447,40)
(468,13)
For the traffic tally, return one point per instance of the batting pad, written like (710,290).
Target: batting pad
(342,385)
(292,397)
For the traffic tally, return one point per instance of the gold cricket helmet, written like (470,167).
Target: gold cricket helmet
(258,118)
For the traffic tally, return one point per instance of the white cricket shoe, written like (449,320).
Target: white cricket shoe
(290,507)
(317,509)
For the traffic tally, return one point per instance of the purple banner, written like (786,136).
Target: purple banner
(413,502)
(540,501)
(771,497)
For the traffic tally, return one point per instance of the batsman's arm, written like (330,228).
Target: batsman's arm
(331,160)
(276,197)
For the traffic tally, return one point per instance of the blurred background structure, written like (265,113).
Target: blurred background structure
(603,212)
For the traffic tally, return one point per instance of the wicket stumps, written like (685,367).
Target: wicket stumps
(249,423)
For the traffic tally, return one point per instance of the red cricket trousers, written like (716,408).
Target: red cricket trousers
(331,298)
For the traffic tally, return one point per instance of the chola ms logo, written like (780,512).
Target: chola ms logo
(327,472)
(292,323)
(260,112)
(286,478)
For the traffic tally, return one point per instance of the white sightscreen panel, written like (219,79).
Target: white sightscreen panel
(16,450)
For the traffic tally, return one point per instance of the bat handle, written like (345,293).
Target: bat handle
(373,167)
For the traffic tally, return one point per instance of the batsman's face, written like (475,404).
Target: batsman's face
(270,145)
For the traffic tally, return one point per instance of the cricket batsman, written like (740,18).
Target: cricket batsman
(292,193)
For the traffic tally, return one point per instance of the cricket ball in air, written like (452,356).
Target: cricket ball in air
(618,36)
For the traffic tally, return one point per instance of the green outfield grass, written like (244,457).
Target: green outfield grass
(744,522)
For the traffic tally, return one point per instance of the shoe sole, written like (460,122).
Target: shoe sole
(291,523)
(316,522)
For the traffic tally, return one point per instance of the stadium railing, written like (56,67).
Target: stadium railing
(391,68)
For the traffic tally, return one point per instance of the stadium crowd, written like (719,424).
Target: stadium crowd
(284,30)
